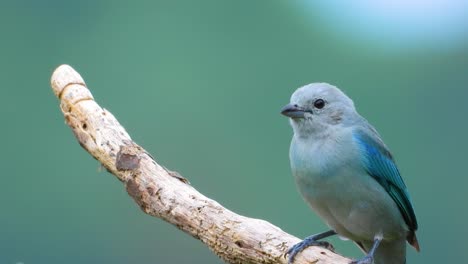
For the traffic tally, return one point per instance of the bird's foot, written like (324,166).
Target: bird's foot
(364,260)
(369,258)
(310,241)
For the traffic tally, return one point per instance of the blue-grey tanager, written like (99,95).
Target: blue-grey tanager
(347,175)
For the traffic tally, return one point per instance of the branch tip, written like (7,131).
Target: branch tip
(64,76)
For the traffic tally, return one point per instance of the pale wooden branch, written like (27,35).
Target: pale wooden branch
(164,194)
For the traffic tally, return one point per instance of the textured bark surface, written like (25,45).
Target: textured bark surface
(165,194)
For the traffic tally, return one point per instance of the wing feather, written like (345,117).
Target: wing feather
(380,165)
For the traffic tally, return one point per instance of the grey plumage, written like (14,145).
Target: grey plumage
(347,175)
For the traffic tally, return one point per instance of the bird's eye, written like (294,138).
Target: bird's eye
(319,103)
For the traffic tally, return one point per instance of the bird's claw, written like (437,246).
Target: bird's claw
(297,248)
(364,260)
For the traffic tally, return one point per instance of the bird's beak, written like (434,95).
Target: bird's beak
(293,111)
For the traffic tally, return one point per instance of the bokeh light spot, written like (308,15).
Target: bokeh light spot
(395,24)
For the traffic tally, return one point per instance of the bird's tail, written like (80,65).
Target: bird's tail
(388,252)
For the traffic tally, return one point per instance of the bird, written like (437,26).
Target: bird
(347,175)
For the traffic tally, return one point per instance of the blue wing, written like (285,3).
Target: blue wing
(379,163)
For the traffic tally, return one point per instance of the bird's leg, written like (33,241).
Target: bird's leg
(369,258)
(310,241)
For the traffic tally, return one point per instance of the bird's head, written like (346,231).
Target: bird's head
(316,107)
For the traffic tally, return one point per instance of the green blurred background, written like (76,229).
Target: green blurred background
(200,84)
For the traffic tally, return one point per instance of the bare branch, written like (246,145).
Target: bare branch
(166,195)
